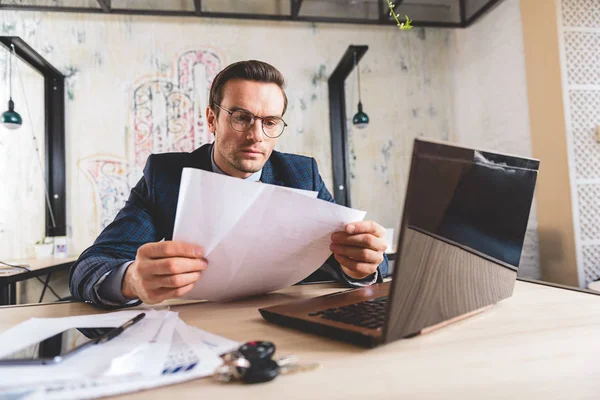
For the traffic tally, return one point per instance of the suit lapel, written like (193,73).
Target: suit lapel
(267,173)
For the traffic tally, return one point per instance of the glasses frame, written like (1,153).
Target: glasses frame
(254,118)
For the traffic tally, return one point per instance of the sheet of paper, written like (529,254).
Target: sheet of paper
(200,339)
(147,358)
(307,193)
(191,353)
(93,361)
(257,237)
(186,360)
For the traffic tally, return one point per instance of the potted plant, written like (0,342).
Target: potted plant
(44,248)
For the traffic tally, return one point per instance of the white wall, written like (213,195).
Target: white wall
(21,177)
(459,85)
(407,93)
(490,97)
(115,62)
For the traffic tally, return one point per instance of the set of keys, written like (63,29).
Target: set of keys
(253,362)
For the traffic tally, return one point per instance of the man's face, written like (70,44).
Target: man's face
(240,154)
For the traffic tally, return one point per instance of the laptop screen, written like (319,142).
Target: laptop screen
(462,233)
(478,200)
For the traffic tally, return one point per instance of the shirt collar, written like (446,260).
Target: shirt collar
(255,177)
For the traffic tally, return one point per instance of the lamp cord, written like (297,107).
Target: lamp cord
(35,143)
(10,71)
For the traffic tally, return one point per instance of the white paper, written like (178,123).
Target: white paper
(92,361)
(186,361)
(173,352)
(35,329)
(147,357)
(257,237)
(200,339)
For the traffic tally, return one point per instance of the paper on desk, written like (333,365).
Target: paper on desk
(257,237)
(201,339)
(93,361)
(35,329)
(193,353)
(147,358)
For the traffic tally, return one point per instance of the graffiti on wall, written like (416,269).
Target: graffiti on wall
(167,115)
(108,176)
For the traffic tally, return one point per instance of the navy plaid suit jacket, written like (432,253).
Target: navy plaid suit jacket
(149,213)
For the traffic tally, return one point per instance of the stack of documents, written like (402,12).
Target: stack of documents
(257,237)
(159,350)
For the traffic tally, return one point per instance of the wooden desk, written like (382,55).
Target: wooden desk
(37,267)
(543,343)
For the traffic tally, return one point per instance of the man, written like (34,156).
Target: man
(129,262)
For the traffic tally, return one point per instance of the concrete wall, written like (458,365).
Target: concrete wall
(140,84)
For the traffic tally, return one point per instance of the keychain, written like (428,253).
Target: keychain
(253,362)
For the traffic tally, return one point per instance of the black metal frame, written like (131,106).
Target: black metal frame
(295,8)
(8,285)
(104,5)
(198,7)
(337,122)
(105,8)
(54,130)
(337,110)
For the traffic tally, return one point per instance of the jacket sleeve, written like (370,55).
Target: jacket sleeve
(332,266)
(118,242)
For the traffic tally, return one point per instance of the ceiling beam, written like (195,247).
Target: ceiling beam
(198,7)
(485,8)
(227,15)
(104,5)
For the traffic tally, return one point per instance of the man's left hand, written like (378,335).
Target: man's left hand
(359,248)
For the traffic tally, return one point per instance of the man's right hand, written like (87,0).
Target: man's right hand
(163,270)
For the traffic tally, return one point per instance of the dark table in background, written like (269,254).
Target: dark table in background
(37,267)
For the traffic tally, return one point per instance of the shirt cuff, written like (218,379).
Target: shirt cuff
(368,281)
(108,287)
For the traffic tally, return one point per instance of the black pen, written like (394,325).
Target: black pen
(117,331)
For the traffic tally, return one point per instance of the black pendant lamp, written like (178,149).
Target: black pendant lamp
(360,119)
(11,119)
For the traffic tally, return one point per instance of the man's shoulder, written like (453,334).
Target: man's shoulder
(291,170)
(199,158)
(168,158)
(294,161)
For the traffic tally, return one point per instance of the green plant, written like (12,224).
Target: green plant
(403,26)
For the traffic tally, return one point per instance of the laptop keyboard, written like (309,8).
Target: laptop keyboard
(367,314)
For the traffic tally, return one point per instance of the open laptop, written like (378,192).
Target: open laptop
(459,246)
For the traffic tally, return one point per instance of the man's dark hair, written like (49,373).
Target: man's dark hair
(251,70)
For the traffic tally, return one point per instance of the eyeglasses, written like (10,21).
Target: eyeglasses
(242,121)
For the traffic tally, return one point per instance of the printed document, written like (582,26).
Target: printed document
(257,237)
(159,350)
